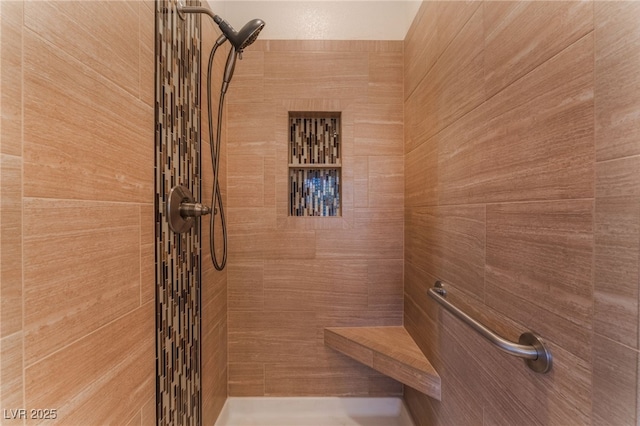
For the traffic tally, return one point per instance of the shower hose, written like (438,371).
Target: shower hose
(216,197)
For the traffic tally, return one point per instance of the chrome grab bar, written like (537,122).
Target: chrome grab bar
(530,346)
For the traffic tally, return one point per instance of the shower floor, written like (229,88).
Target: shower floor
(307,411)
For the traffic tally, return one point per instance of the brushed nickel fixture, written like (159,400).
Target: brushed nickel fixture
(239,41)
(182,209)
(530,346)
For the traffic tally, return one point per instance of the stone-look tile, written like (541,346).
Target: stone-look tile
(146,12)
(272,336)
(147,72)
(304,379)
(452,17)
(617,51)
(420,313)
(618,178)
(360,168)
(246,286)
(11,290)
(453,86)
(71,249)
(11,17)
(421,174)
(11,378)
(246,180)
(136,420)
(516,147)
(617,247)
(540,255)
(385,284)
(331,75)
(449,243)
(615,375)
(311,287)
(379,130)
(516,395)
(85,129)
(83,135)
(520,36)
(420,46)
(550,266)
(148,413)
(114,361)
(386,181)
(108,45)
(248,80)
(289,244)
(616,275)
(214,346)
(246,379)
(363,241)
(458,75)
(420,119)
(386,79)
(147,254)
(250,130)
(327,45)
(214,295)
(276,323)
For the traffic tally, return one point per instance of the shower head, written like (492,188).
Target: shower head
(239,39)
(243,38)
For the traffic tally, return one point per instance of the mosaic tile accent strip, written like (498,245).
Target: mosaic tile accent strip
(314,140)
(314,192)
(177,162)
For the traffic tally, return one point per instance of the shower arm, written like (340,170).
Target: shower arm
(183,8)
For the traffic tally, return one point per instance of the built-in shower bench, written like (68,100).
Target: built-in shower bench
(388,350)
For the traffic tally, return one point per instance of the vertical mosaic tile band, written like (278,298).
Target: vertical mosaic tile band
(177,162)
(314,192)
(314,164)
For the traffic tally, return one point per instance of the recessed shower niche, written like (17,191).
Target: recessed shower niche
(314,164)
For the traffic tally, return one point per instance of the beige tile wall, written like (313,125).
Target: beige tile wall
(522,193)
(289,277)
(76,185)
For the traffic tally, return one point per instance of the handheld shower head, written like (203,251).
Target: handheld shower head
(243,38)
(239,39)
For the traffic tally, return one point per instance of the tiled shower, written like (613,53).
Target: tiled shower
(495,148)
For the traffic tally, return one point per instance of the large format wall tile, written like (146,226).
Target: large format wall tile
(331,75)
(615,377)
(11,13)
(540,254)
(617,54)
(11,235)
(83,135)
(522,147)
(113,365)
(420,51)
(520,36)
(72,249)
(77,126)
(550,153)
(617,247)
(289,277)
(96,34)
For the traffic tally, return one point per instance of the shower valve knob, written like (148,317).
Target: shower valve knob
(182,209)
(193,209)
